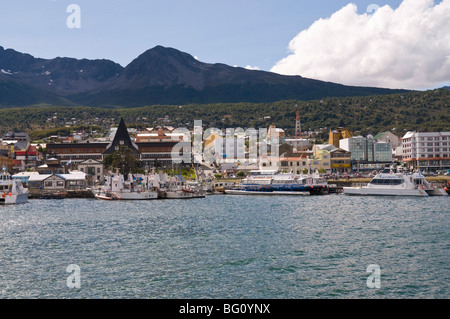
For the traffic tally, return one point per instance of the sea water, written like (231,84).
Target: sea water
(225,246)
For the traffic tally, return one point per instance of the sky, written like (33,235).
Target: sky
(390,43)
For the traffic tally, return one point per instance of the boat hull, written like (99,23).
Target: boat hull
(363,191)
(266,193)
(14,199)
(178,195)
(437,192)
(136,195)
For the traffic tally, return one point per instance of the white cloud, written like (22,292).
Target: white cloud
(407,47)
(249,67)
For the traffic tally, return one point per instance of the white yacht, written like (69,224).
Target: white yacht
(12,191)
(391,183)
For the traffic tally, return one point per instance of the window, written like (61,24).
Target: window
(380,181)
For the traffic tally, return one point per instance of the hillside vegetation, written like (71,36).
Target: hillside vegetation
(420,111)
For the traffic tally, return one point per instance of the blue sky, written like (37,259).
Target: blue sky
(244,33)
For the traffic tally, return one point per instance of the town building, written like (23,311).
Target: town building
(336,135)
(366,153)
(6,159)
(154,153)
(340,159)
(388,137)
(429,151)
(57,182)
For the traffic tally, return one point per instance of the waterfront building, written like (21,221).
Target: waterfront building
(58,182)
(340,159)
(93,169)
(321,159)
(429,151)
(366,153)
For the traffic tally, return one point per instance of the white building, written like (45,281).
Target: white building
(430,151)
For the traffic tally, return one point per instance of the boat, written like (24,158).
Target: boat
(12,191)
(265,192)
(134,188)
(391,183)
(276,183)
(105,195)
(177,188)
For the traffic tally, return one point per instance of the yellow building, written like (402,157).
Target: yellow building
(321,159)
(341,160)
(339,134)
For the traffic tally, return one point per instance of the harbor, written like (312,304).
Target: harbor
(226,246)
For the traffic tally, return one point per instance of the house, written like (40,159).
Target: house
(388,137)
(58,182)
(94,170)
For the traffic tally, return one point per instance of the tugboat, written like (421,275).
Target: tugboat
(11,191)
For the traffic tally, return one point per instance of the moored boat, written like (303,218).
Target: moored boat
(275,183)
(391,183)
(116,187)
(12,191)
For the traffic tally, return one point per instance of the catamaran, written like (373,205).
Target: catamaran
(392,183)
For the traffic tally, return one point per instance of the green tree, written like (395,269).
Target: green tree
(123,160)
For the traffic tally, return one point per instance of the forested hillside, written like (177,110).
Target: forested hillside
(420,111)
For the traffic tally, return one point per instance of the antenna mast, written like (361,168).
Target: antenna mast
(298,125)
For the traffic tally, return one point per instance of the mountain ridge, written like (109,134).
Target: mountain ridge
(159,75)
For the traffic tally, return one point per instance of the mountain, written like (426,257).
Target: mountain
(61,76)
(446,87)
(158,76)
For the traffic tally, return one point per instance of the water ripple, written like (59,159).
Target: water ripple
(227,247)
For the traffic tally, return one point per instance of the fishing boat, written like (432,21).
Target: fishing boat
(178,188)
(391,183)
(275,183)
(12,191)
(116,187)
